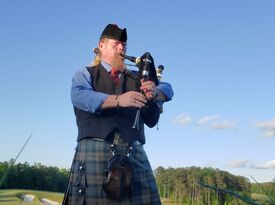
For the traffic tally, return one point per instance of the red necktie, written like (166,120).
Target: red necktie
(115,75)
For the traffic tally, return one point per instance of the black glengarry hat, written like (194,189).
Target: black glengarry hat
(112,31)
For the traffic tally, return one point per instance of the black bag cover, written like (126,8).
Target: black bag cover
(150,67)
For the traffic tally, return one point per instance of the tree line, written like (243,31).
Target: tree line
(195,185)
(191,185)
(36,177)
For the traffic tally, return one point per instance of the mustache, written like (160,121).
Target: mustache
(121,53)
(120,56)
(96,51)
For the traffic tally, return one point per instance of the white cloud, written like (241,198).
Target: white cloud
(267,165)
(206,119)
(247,164)
(221,126)
(239,163)
(267,127)
(270,133)
(183,119)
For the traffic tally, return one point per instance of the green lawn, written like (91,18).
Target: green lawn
(13,196)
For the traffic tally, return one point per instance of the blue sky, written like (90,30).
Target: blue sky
(218,56)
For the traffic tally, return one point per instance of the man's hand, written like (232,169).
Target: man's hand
(149,89)
(131,99)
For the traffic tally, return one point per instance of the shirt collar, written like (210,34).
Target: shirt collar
(107,66)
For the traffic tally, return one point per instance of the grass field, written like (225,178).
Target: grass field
(14,196)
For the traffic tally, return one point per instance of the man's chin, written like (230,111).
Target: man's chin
(119,64)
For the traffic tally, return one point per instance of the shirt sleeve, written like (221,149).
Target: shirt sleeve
(166,89)
(83,95)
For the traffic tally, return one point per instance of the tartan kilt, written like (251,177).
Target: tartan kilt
(88,172)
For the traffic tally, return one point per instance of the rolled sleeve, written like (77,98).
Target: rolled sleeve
(166,90)
(83,95)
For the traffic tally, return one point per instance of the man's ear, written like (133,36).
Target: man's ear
(101,45)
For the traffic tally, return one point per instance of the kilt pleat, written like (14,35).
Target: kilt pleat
(89,169)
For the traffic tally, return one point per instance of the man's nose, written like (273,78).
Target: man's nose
(120,47)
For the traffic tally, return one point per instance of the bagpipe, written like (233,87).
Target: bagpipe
(147,71)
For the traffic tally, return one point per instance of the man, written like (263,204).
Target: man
(105,107)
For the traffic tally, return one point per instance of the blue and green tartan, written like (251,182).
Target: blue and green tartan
(88,172)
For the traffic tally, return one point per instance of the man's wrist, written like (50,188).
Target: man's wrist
(160,97)
(117,101)
(154,95)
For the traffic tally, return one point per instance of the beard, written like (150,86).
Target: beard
(118,62)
